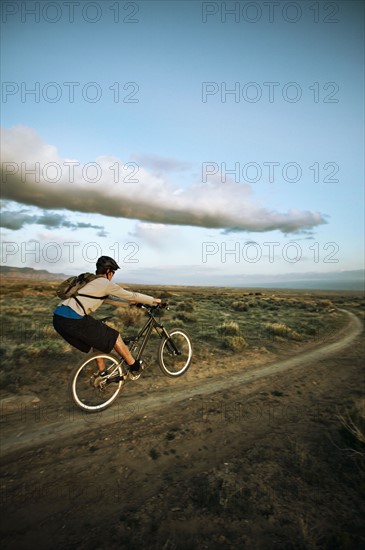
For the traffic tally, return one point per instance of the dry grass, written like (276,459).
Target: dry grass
(352,427)
(228,321)
(280,329)
(229,328)
(234,343)
(129,316)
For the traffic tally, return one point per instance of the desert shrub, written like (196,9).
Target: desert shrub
(324,303)
(187,305)
(177,323)
(229,328)
(239,306)
(165,295)
(234,343)
(305,305)
(9,380)
(311,331)
(154,454)
(186,317)
(48,331)
(217,490)
(353,428)
(282,330)
(15,310)
(41,348)
(130,316)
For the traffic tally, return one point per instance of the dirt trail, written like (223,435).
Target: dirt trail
(251,460)
(25,426)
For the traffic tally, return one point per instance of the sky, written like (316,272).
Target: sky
(198,143)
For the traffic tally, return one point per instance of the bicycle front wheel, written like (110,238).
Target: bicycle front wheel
(88,390)
(175,353)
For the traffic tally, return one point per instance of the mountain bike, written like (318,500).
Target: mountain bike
(93,393)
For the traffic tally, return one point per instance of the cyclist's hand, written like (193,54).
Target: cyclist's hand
(159,303)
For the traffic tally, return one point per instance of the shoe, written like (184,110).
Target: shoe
(136,369)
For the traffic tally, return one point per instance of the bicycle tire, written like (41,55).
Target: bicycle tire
(82,389)
(171,363)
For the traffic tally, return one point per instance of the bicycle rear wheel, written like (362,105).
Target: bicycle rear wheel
(175,353)
(89,391)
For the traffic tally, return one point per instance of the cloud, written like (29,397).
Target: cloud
(16,219)
(155,234)
(34,174)
(160,164)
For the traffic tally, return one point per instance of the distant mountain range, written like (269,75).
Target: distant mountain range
(30,273)
(345,280)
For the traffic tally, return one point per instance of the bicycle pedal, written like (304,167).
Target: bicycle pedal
(135,375)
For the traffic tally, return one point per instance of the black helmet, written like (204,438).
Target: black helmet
(106,262)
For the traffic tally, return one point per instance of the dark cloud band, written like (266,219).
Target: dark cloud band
(230,206)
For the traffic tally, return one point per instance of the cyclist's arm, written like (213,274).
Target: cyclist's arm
(136,297)
(118,303)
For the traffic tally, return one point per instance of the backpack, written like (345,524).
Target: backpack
(70,288)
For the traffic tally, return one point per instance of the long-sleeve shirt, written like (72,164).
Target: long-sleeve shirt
(103,287)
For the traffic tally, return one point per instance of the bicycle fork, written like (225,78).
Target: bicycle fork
(171,346)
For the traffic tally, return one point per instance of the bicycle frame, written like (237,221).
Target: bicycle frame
(146,330)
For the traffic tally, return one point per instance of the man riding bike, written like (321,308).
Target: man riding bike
(72,319)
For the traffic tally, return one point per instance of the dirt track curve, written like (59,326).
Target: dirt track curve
(22,429)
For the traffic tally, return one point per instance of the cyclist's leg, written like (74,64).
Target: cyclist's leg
(90,332)
(66,328)
(100,362)
(121,348)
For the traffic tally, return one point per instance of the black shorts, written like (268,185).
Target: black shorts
(86,333)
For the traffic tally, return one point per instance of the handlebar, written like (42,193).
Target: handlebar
(162,305)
